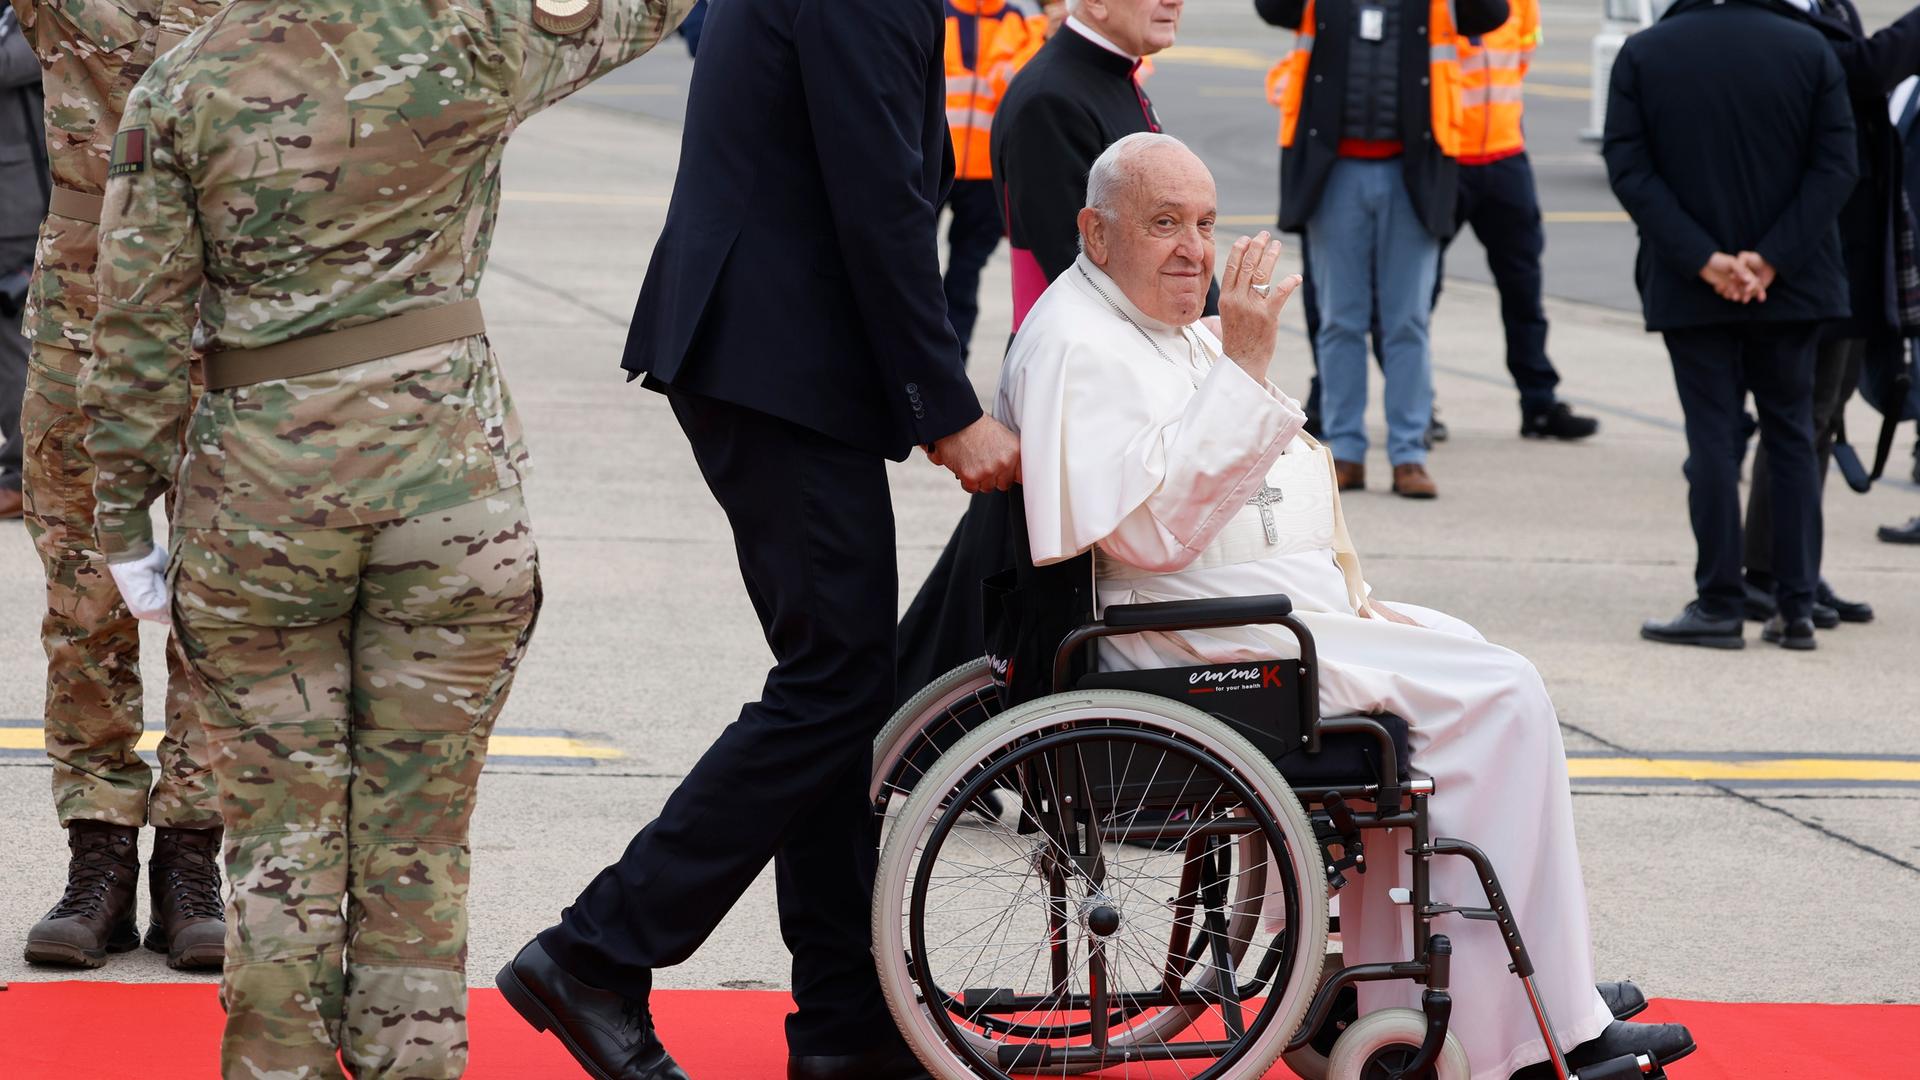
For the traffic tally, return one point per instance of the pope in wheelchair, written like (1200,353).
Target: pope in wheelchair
(1097,880)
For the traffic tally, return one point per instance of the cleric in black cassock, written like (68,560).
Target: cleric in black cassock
(1079,94)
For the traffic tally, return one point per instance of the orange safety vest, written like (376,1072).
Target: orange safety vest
(986,43)
(1287,79)
(1491,71)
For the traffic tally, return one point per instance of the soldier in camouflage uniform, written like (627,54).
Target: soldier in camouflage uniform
(91,53)
(353,580)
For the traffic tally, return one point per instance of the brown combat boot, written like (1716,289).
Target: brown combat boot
(188,918)
(95,915)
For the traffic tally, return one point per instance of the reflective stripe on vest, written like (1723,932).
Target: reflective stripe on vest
(1476,96)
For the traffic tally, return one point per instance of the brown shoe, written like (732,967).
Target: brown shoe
(188,918)
(1412,482)
(12,503)
(1350,475)
(95,915)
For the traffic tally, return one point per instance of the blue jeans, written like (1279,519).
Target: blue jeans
(1371,253)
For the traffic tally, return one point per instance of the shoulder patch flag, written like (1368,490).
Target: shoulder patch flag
(129,152)
(565,17)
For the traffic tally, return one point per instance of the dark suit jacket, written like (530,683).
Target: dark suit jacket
(1728,129)
(1432,178)
(1873,67)
(798,272)
(23,155)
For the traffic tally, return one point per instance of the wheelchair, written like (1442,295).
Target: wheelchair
(1127,874)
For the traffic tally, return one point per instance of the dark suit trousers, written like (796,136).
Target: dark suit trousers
(1714,368)
(972,235)
(1499,201)
(813,528)
(1836,372)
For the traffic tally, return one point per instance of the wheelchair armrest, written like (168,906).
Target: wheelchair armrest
(1198,614)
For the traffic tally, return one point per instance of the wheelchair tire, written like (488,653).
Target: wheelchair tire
(1115,716)
(1372,1047)
(935,700)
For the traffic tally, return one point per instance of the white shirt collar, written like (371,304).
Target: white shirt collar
(1088,32)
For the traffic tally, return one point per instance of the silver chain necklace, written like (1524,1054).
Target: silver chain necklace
(1122,312)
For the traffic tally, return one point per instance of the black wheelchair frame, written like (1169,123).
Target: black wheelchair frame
(1341,813)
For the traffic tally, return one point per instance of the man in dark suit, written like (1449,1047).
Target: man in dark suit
(793,315)
(1735,195)
(23,202)
(1873,66)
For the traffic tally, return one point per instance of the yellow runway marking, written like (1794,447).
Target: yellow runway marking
(1555,90)
(1801,769)
(584,198)
(549,746)
(1244,59)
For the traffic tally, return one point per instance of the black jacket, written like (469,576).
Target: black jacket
(1728,129)
(1065,107)
(1432,178)
(1873,67)
(23,155)
(798,271)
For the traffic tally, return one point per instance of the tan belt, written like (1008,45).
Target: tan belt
(343,348)
(77,205)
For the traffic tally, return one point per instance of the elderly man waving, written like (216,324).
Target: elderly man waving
(1160,447)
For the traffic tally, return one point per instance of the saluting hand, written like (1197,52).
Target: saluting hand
(1249,321)
(984,456)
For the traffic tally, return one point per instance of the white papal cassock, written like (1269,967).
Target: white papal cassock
(1135,443)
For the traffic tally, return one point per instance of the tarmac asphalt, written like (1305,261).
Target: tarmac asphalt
(1788,873)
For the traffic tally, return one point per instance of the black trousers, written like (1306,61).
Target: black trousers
(787,781)
(1499,201)
(1714,368)
(972,235)
(1836,372)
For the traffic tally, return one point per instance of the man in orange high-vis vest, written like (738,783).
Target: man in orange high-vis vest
(1497,198)
(987,41)
(1369,100)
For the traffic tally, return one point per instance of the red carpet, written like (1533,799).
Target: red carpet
(118,1031)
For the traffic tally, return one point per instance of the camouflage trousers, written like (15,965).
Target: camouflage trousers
(351,679)
(93,709)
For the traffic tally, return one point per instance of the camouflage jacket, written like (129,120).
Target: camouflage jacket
(303,168)
(91,53)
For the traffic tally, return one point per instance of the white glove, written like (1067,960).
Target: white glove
(143,585)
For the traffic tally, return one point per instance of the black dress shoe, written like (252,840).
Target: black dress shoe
(1758,602)
(1789,633)
(1624,1000)
(1902,534)
(891,1062)
(1695,627)
(1665,1043)
(610,1035)
(1557,421)
(1848,610)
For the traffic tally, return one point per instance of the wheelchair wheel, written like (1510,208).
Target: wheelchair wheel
(1380,1044)
(927,726)
(1047,940)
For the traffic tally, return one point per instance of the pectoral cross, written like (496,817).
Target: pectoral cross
(1266,499)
